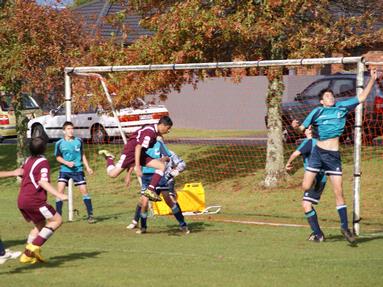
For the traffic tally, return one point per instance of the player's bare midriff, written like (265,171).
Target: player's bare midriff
(329,144)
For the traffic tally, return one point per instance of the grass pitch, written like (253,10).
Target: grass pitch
(217,252)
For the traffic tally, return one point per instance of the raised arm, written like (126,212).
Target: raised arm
(366,91)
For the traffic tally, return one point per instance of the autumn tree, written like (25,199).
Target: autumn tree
(226,30)
(36,43)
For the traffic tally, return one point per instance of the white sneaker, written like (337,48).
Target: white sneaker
(133,225)
(4,258)
(9,255)
(14,254)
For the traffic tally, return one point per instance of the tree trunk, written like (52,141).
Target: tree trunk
(275,169)
(21,128)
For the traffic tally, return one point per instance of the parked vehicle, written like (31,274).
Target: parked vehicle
(97,125)
(344,86)
(7,116)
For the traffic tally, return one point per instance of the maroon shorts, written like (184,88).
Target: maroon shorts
(127,161)
(38,214)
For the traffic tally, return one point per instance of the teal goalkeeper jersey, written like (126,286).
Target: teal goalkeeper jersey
(330,121)
(157,151)
(71,150)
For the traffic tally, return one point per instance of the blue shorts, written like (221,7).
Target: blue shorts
(314,193)
(78,177)
(162,186)
(325,160)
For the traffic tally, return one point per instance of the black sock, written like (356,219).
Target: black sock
(312,218)
(137,214)
(177,212)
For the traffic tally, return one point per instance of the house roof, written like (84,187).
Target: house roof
(94,13)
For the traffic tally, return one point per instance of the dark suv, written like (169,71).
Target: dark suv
(344,86)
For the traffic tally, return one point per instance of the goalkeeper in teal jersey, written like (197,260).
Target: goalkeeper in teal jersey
(174,165)
(329,120)
(313,195)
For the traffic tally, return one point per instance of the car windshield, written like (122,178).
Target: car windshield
(6,102)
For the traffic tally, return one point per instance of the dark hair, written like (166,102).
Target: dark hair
(322,92)
(67,123)
(37,146)
(166,121)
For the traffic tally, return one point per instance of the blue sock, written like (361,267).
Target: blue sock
(144,216)
(137,213)
(342,210)
(312,218)
(59,206)
(177,212)
(88,204)
(2,249)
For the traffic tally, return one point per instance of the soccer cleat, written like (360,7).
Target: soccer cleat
(141,231)
(316,237)
(348,235)
(36,251)
(4,258)
(91,219)
(26,259)
(152,195)
(185,229)
(105,153)
(13,254)
(133,225)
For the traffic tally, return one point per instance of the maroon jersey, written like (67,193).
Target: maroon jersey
(145,136)
(31,194)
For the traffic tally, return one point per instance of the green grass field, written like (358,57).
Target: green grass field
(217,252)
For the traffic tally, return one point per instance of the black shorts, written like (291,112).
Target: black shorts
(325,160)
(78,177)
(313,195)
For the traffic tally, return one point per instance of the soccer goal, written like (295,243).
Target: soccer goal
(243,153)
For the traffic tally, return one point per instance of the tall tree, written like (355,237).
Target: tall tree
(36,43)
(227,30)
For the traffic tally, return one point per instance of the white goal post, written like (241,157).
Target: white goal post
(81,71)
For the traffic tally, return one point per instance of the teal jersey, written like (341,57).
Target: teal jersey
(72,151)
(157,151)
(330,121)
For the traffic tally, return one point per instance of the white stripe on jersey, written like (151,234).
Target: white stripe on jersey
(40,160)
(145,128)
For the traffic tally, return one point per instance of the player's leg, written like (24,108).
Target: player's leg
(159,167)
(113,170)
(62,182)
(144,201)
(28,256)
(46,229)
(308,180)
(136,217)
(80,182)
(311,197)
(176,210)
(333,168)
(341,207)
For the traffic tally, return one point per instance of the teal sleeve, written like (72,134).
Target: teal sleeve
(349,104)
(311,117)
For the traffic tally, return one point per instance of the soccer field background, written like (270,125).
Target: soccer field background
(218,252)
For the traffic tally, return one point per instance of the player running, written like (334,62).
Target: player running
(32,201)
(330,119)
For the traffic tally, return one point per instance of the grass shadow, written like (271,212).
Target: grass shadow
(10,243)
(55,261)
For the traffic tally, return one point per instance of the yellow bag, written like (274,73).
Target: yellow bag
(190,198)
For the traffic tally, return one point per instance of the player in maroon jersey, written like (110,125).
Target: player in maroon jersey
(134,154)
(32,201)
